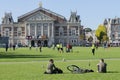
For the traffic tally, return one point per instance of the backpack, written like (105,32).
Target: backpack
(57,71)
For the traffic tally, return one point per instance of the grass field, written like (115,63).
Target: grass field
(25,64)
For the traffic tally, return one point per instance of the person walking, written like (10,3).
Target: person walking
(30,47)
(14,47)
(6,47)
(93,49)
(40,48)
(61,48)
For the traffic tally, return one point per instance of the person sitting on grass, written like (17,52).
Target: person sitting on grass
(102,66)
(52,69)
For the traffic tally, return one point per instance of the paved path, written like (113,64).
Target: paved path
(56,61)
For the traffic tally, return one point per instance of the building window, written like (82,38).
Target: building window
(74,41)
(19,42)
(45,29)
(38,29)
(118,34)
(32,29)
(113,37)
(50,25)
(118,28)
(19,31)
(61,31)
(61,41)
(7,32)
(73,32)
(77,32)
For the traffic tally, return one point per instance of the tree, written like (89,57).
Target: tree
(88,29)
(82,36)
(105,38)
(101,32)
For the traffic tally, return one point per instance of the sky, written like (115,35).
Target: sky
(92,12)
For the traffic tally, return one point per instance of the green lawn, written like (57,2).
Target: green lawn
(25,64)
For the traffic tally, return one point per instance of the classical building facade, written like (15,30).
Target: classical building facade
(42,26)
(113,30)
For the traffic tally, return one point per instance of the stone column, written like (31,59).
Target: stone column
(29,42)
(78,39)
(79,30)
(29,29)
(52,30)
(48,30)
(26,33)
(1,31)
(35,30)
(68,33)
(41,29)
(12,40)
(52,33)
(25,29)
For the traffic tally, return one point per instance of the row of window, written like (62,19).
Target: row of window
(115,28)
(72,41)
(9,33)
(116,35)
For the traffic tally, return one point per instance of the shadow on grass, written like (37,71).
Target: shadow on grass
(113,72)
(10,55)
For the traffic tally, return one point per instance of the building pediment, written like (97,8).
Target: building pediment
(39,16)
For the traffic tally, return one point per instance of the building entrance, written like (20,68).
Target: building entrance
(45,43)
(39,43)
(32,43)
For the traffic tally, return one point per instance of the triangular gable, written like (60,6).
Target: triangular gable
(42,10)
(37,16)
(105,21)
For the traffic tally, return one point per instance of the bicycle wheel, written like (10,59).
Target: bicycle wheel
(73,68)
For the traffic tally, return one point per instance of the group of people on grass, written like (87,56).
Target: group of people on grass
(52,69)
(36,46)
(95,46)
(60,49)
(11,46)
(16,46)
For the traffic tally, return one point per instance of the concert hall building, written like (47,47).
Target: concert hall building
(42,26)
